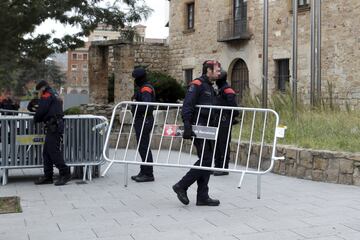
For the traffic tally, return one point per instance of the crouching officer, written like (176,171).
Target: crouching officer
(143,117)
(225,97)
(200,92)
(50,111)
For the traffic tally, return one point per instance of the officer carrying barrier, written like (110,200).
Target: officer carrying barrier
(22,142)
(253,146)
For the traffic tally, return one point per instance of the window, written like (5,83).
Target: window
(74,56)
(190,15)
(303,3)
(85,79)
(85,56)
(74,67)
(79,56)
(188,74)
(240,16)
(282,74)
(85,67)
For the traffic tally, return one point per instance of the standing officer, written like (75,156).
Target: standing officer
(226,97)
(50,111)
(145,93)
(200,92)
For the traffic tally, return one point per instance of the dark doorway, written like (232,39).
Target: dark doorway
(240,79)
(282,74)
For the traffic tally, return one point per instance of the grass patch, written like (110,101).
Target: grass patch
(10,205)
(326,127)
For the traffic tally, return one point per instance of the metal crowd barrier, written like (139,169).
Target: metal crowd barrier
(257,129)
(22,142)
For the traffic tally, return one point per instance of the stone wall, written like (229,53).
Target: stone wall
(120,61)
(340,44)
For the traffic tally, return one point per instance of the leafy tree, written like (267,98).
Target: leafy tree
(167,88)
(19,18)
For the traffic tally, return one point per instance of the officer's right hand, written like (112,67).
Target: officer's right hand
(188,132)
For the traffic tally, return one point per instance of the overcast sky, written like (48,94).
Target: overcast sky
(155,24)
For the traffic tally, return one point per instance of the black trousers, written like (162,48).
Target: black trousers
(144,143)
(53,155)
(200,176)
(221,144)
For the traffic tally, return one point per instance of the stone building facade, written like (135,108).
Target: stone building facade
(118,58)
(231,31)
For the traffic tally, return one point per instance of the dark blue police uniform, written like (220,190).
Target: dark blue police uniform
(226,97)
(146,93)
(200,92)
(50,112)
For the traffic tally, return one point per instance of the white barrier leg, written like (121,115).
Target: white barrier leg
(89,173)
(84,173)
(126,171)
(258,186)
(107,169)
(241,179)
(5,173)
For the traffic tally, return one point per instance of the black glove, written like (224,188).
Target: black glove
(188,132)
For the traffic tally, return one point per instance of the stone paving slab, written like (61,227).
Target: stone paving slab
(105,210)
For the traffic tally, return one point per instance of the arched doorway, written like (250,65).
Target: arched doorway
(240,79)
(84,92)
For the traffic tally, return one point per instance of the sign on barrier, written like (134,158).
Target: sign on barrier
(37,139)
(171,130)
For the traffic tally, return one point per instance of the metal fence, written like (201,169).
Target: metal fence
(256,129)
(22,142)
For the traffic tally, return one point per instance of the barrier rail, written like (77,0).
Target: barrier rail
(22,141)
(169,148)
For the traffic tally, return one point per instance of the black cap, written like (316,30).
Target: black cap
(41,84)
(139,73)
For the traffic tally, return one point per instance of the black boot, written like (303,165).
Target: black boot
(208,202)
(144,178)
(135,176)
(44,180)
(63,179)
(220,173)
(181,194)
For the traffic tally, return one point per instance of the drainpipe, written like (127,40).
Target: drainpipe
(294,53)
(265,53)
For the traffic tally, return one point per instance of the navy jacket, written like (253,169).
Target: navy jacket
(226,97)
(50,107)
(145,93)
(200,92)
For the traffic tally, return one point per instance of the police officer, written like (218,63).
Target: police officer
(50,111)
(200,92)
(225,97)
(143,117)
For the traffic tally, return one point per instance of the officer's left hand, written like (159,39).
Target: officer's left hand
(188,132)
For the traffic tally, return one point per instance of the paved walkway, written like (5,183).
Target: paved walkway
(104,209)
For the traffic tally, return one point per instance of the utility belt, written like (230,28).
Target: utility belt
(54,125)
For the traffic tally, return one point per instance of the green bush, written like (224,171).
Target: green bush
(72,111)
(167,88)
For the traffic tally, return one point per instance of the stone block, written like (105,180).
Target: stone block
(346,166)
(320,163)
(292,153)
(318,175)
(356,177)
(306,158)
(346,179)
(300,172)
(308,174)
(332,176)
